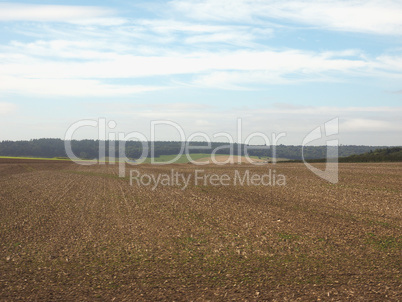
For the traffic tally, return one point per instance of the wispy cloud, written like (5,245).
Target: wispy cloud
(57,13)
(66,63)
(51,87)
(379,17)
(357,124)
(210,52)
(83,57)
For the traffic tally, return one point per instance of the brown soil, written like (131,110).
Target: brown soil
(81,233)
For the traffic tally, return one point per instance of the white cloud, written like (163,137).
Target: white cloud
(252,80)
(168,25)
(99,64)
(358,125)
(55,13)
(373,16)
(390,62)
(69,87)
(25,66)
(58,49)
(368,125)
(204,33)
(233,45)
(6,108)
(97,53)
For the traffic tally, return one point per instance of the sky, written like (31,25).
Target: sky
(278,66)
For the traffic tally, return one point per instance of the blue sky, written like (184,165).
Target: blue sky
(280,66)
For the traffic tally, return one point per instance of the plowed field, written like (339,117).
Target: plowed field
(81,233)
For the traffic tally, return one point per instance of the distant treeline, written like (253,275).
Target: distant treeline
(388,154)
(391,154)
(90,149)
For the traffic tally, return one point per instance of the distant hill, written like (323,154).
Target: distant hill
(388,154)
(89,149)
(392,154)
